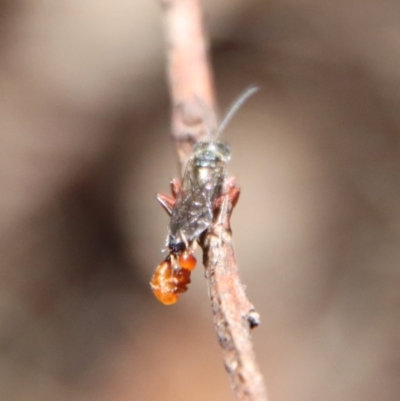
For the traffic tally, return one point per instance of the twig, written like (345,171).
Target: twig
(189,75)
(234,315)
(193,115)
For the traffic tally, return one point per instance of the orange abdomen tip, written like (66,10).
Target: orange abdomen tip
(187,261)
(166,298)
(163,284)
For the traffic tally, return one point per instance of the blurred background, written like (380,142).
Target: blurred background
(85,145)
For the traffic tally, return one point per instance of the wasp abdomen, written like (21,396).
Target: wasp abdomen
(169,281)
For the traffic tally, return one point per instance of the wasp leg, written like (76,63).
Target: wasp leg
(167,202)
(233,195)
(229,184)
(175,187)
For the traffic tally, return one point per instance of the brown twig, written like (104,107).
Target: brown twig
(190,78)
(193,115)
(234,315)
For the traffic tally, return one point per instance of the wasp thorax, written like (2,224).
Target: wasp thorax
(207,153)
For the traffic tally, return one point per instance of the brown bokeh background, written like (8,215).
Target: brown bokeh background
(84,147)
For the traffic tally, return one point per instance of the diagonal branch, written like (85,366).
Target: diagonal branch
(234,315)
(189,75)
(193,116)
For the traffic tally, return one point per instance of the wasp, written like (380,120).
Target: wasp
(191,209)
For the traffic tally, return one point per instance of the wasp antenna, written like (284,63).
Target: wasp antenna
(235,107)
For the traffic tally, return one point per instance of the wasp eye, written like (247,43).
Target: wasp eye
(187,261)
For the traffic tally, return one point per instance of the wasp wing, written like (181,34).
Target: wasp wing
(193,210)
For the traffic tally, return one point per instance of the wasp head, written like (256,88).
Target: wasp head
(208,152)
